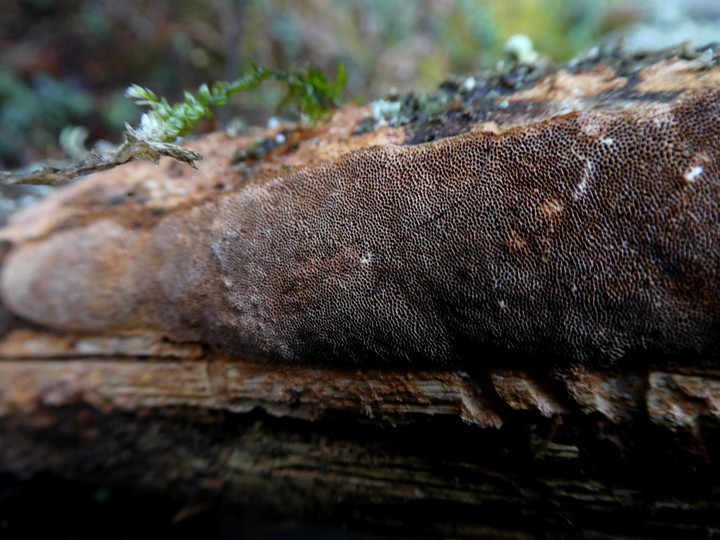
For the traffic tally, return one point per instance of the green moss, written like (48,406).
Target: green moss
(307,88)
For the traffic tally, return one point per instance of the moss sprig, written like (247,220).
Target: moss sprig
(308,88)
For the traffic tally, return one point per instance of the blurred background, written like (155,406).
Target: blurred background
(66,63)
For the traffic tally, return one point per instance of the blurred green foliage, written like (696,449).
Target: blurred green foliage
(67,62)
(34,111)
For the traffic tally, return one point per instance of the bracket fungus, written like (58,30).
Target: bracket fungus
(577,218)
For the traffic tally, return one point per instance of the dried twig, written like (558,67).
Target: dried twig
(132,149)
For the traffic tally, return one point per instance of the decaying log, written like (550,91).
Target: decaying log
(514,327)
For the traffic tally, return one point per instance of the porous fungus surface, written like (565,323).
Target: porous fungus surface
(584,235)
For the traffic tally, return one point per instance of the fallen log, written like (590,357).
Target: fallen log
(359,326)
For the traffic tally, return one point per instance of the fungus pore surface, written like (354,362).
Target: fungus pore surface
(586,236)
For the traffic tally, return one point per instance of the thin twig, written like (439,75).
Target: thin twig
(132,149)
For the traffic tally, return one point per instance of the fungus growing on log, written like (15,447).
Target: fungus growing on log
(536,217)
(580,228)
